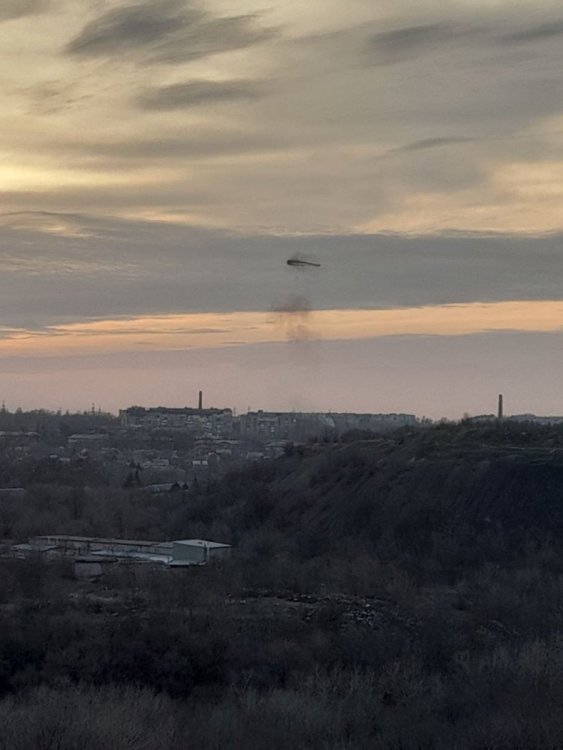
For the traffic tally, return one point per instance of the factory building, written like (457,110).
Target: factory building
(178,553)
(217,422)
(198,552)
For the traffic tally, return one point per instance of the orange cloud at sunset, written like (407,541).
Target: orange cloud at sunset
(216,330)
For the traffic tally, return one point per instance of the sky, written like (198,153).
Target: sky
(160,161)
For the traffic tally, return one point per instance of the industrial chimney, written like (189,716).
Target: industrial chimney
(500,407)
(200,401)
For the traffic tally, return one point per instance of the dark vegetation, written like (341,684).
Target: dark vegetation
(401,592)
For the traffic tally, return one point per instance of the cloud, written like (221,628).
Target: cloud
(192,143)
(430,143)
(17,8)
(111,269)
(53,97)
(409,42)
(194,93)
(536,33)
(62,225)
(282,152)
(133,27)
(168,31)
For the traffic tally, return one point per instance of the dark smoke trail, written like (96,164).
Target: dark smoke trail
(294,316)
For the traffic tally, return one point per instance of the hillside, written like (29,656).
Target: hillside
(438,480)
(396,592)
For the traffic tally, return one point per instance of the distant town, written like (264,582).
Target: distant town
(142,453)
(161,449)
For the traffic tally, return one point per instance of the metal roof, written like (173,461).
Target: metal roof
(96,540)
(200,543)
(62,538)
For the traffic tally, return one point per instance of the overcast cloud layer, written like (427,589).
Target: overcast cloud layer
(389,116)
(167,156)
(60,268)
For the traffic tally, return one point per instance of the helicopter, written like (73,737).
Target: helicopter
(297,262)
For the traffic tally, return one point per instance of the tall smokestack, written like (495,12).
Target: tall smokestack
(500,407)
(200,401)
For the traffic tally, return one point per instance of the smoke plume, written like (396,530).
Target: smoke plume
(294,315)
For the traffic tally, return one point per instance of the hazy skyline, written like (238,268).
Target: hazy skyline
(162,159)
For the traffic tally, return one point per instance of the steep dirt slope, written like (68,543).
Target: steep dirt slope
(411,485)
